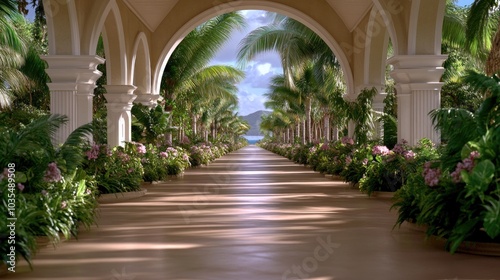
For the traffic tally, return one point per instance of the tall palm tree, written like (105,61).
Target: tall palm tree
(302,53)
(194,53)
(208,84)
(286,100)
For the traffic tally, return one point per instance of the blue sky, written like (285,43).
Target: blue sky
(263,67)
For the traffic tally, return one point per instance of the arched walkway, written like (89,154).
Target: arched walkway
(252,215)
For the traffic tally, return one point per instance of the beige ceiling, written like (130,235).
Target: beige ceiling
(351,11)
(152,12)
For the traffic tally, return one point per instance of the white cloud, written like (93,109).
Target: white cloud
(264,68)
(258,72)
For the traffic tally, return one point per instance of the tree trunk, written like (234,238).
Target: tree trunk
(308,115)
(292,136)
(493,62)
(326,127)
(194,124)
(304,131)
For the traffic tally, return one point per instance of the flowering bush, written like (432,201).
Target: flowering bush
(388,170)
(116,170)
(53,195)
(458,204)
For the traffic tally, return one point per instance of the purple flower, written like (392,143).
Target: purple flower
(324,147)
(347,140)
(365,161)
(93,153)
(431,175)
(163,154)
(409,155)
(130,170)
(20,186)
(380,150)
(52,174)
(185,157)
(466,165)
(64,204)
(88,191)
(141,149)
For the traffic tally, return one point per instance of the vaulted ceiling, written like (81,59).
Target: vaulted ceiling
(152,12)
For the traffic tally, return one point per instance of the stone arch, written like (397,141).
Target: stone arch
(253,5)
(140,68)
(108,22)
(58,15)
(377,42)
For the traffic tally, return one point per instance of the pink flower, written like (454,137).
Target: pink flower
(20,186)
(466,165)
(64,204)
(130,170)
(324,147)
(52,174)
(185,157)
(163,154)
(141,149)
(380,150)
(88,191)
(347,140)
(409,155)
(431,175)
(365,161)
(93,153)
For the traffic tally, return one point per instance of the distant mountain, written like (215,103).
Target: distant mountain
(254,120)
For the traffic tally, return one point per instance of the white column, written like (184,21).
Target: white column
(147,99)
(418,90)
(71,89)
(119,103)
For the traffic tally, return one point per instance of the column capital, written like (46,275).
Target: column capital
(73,61)
(417,69)
(417,61)
(68,72)
(147,99)
(119,95)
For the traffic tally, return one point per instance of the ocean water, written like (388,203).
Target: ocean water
(253,139)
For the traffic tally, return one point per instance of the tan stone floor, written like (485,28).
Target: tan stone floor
(253,215)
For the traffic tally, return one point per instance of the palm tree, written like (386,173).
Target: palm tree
(482,23)
(193,55)
(481,38)
(302,53)
(286,101)
(12,51)
(208,84)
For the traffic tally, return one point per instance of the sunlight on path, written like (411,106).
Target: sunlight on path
(252,215)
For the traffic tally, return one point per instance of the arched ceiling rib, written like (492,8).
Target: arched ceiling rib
(153,12)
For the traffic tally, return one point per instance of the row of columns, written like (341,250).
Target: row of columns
(73,81)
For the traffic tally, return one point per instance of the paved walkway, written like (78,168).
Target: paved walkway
(253,215)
